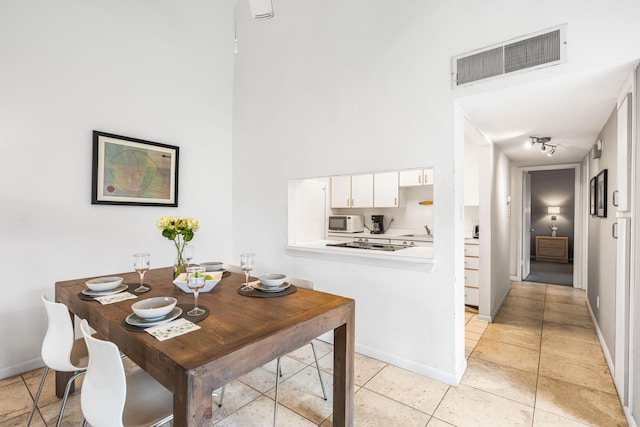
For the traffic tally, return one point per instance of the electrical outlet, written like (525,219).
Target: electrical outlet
(598,301)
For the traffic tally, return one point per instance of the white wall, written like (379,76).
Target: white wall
(149,69)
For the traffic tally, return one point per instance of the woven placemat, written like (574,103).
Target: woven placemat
(256,293)
(184,307)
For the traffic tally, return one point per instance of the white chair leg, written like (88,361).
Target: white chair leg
(35,401)
(313,348)
(66,395)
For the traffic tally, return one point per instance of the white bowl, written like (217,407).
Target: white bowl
(211,266)
(273,279)
(215,277)
(101,284)
(154,307)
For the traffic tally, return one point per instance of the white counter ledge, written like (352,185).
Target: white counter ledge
(410,258)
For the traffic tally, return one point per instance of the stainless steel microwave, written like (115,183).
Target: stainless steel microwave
(346,224)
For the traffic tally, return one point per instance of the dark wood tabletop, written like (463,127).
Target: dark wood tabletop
(240,334)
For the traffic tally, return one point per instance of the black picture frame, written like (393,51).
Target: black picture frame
(601,194)
(593,210)
(130,171)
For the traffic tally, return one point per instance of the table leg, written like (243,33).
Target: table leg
(61,383)
(343,396)
(191,401)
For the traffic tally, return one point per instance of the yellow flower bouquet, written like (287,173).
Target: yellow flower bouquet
(180,231)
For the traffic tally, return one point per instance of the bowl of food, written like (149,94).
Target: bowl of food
(212,266)
(155,307)
(212,278)
(103,284)
(272,279)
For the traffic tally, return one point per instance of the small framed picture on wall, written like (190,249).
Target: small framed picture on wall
(593,208)
(601,194)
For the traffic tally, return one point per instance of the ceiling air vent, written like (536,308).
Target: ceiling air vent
(526,53)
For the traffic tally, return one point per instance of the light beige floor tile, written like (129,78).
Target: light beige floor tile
(467,406)
(571,309)
(305,354)
(236,395)
(547,419)
(519,300)
(515,320)
(573,351)
(72,412)
(507,355)
(568,319)
(434,422)
(595,376)
(302,394)
(259,413)
(478,329)
(264,377)
(524,337)
(15,400)
(409,388)
(472,335)
(511,383)
(364,367)
(565,290)
(522,312)
(579,403)
(373,410)
(10,380)
(21,421)
(572,332)
(470,343)
(566,299)
(526,295)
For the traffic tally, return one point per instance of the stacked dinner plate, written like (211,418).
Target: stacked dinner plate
(273,282)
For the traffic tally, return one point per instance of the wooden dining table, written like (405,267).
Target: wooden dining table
(240,334)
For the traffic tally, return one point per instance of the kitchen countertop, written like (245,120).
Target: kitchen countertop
(393,233)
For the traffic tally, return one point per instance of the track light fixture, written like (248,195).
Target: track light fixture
(545,147)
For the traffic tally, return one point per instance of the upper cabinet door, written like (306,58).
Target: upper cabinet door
(341,191)
(622,196)
(385,190)
(362,191)
(413,177)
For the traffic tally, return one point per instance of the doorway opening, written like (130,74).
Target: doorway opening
(551,226)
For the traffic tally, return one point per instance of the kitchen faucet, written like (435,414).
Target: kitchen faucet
(426,227)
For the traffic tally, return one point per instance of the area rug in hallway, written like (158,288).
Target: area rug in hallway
(551,272)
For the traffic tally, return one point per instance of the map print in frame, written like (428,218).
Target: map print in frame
(129,171)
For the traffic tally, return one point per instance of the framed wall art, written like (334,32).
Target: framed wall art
(601,194)
(129,171)
(593,207)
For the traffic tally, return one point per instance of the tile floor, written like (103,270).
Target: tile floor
(538,364)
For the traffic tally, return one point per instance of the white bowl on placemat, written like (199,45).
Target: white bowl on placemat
(212,266)
(152,308)
(103,284)
(211,280)
(272,279)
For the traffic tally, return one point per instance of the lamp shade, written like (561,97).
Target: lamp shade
(553,210)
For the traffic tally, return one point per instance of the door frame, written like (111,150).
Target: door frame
(580,209)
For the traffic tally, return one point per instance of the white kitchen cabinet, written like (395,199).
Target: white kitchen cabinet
(622,196)
(362,191)
(414,177)
(341,191)
(472,274)
(385,190)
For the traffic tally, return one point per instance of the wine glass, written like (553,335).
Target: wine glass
(195,281)
(187,252)
(141,263)
(247,262)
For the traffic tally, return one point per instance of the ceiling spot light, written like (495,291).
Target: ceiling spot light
(545,147)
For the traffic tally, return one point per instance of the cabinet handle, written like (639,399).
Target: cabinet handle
(614,230)
(615,198)
(395,201)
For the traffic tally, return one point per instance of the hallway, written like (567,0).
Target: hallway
(539,364)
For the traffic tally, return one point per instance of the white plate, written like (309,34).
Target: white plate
(90,293)
(280,288)
(134,320)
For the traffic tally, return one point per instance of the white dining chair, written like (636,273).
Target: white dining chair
(112,398)
(60,351)
(300,283)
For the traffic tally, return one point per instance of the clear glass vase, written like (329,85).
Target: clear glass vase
(179,266)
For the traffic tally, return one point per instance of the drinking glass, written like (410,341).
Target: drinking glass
(141,263)
(247,262)
(195,280)
(187,253)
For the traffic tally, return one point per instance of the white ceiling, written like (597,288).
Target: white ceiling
(570,107)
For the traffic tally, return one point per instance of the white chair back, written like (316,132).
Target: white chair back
(57,346)
(104,388)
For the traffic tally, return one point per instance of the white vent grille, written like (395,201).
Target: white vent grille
(525,53)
